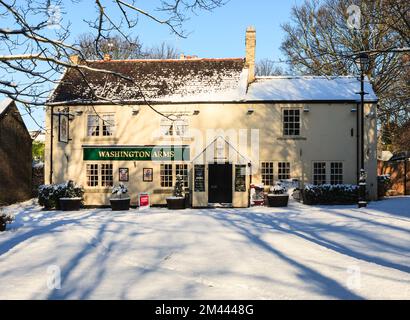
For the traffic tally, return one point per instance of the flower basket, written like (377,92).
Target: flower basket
(120,204)
(278,200)
(118,201)
(70,204)
(177,202)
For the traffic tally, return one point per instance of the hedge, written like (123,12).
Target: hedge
(49,195)
(330,194)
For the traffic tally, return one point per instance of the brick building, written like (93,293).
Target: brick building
(15,155)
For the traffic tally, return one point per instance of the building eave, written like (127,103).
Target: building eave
(133,102)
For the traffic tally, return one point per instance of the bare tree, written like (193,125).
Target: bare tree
(267,67)
(119,47)
(319,41)
(116,46)
(162,51)
(35,46)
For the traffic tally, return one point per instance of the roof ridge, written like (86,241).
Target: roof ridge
(166,60)
(302,77)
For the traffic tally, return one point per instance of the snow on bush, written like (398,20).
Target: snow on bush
(330,194)
(49,195)
(5,218)
(278,188)
(179,187)
(120,190)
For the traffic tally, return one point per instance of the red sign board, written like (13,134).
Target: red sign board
(144,200)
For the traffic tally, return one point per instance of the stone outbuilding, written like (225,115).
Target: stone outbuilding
(15,155)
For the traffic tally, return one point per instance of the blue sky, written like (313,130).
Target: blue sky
(220,33)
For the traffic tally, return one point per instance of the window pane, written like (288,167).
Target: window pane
(267,173)
(291,122)
(319,173)
(177,127)
(108,124)
(166,175)
(336,172)
(283,170)
(93,128)
(92,175)
(106,175)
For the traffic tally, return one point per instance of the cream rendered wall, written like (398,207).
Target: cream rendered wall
(325,136)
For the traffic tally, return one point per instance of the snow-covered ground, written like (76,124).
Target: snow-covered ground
(299,252)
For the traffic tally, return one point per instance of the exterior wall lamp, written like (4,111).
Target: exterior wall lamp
(306,109)
(250,111)
(135,111)
(196,112)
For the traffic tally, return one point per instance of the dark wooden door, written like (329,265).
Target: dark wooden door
(220,183)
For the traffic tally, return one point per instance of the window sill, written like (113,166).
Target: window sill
(99,139)
(163,191)
(97,190)
(292,138)
(175,138)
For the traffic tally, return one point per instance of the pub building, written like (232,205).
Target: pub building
(212,121)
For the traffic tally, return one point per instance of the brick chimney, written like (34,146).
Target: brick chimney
(250,42)
(107,57)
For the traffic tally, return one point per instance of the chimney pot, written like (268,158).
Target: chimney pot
(250,43)
(75,59)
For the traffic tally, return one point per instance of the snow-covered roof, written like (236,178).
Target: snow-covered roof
(156,80)
(197,80)
(308,88)
(4,104)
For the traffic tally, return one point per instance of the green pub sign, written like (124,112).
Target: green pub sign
(137,153)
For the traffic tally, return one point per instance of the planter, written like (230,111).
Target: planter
(2,227)
(121,204)
(70,204)
(176,203)
(258,202)
(278,200)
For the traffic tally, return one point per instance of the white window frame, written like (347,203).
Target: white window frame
(164,173)
(284,133)
(336,174)
(328,172)
(286,169)
(105,181)
(174,128)
(101,124)
(100,179)
(90,175)
(321,174)
(264,172)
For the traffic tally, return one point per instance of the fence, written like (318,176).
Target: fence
(399,172)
